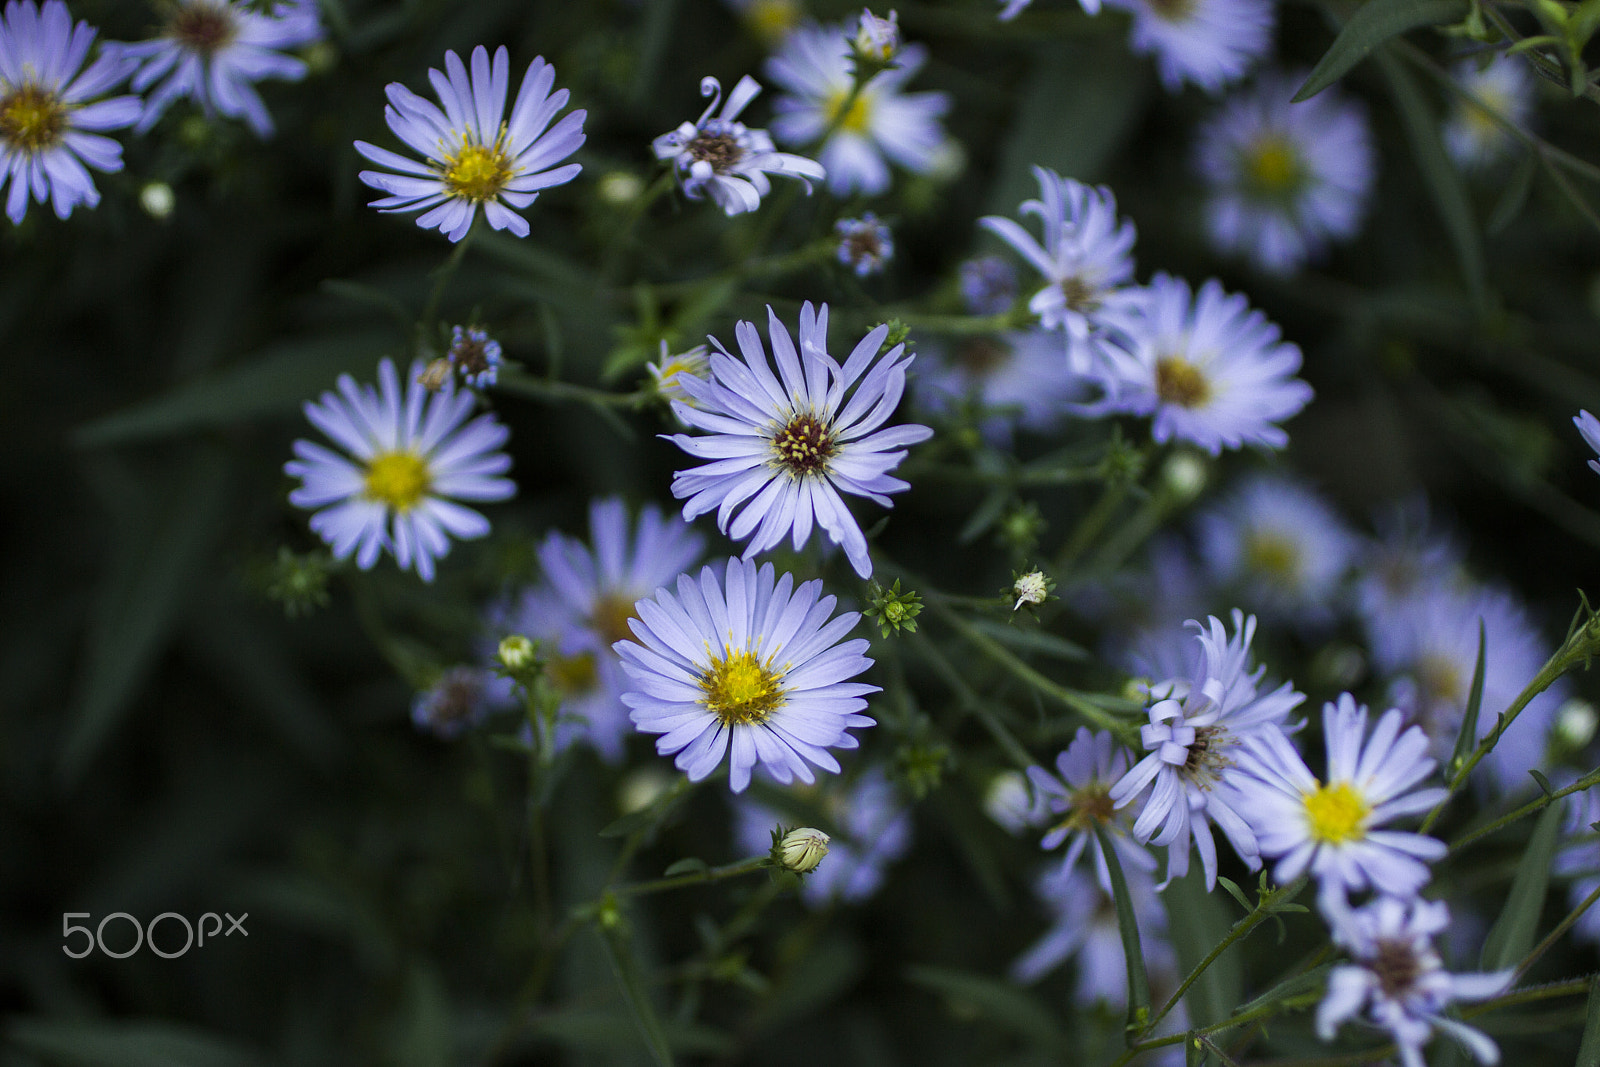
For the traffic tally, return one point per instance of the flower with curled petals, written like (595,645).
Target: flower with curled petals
(750,667)
(474,157)
(785,446)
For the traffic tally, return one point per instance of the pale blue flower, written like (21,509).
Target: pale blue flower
(1207,368)
(865,244)
(582,607)
(1286,179)
(458,700)
(1408,557)
(48,112)
(1077,799)
(883,123)
(1330,828)
(474,155)
(1013,379)
(751,667)
(216,50)
(1589,427)
(411,455)
(1502,92)
(988,285)
(785,446)
(1205,42)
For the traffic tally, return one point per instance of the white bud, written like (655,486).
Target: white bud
(1031,588)
(642,788)
(1184,475)
(620,188)
(1575,723)
(157,200)
(1009,801)
(517,653)
(802,849)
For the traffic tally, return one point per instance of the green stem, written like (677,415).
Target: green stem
(1555,935)
(705,877)
(441,279)
(1530,808)
(1091,524)
(978,708)
(519,383)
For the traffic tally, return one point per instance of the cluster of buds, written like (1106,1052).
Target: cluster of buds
(893,610)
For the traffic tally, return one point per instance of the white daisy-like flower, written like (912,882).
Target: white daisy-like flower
(1206,42)
(1077,798)
(474,157)
(216,50)
(1281,546)
(784,446)
(410,458)
(1589,427)
(1208,368)
(750,667)
(725,159)
(582,606)
(1286,179)
(1397,982)
(1502,91)
(48,112)
(1331,828)
(1195,727)
(882,124)
(1086,258)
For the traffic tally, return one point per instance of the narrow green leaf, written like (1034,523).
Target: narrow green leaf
(1512,934)
(1128,927)
(1003,1003)
(1373,23)
(987,514)
(647,818)
(1543,783)
(686,866)
(1467,739)
(623,966)
(1236,893)
(1589,1049)
(1300,983)
(1440,175)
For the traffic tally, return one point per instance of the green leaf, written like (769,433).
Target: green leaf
(1373,23)
(1128,927)
(1025,640)
(99,1043)
(1200,922)
(1438,173)
(686,866)
(1589,1049)
(615,939)
(1236,893)
(1300,983)
(1002,1003)
(1467,739)
(276,381)
(1512,934)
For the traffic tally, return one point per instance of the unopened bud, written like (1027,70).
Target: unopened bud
(801,850)
(1030,588)
(620,188)
(517,653)
(642,788)
(157,200)
(1184,475)
(1576,722)
(1009,801)
(877,39)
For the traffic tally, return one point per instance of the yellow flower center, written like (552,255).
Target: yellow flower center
(804,446)
(1273,555)
(32,117)
(398,479)
(741,690)
(478,172)
(771,20)
(1337,813)
(1272,166)
(1090,805)
(1172,10)
(1180,382)
(574,674)
(1441,680)
(857,119)
(610,618)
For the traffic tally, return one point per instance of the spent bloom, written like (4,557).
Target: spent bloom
(1077,798)
(861,132)
(1397,982)
(865,244)
(216,50)
(453,703)
(720,157)
(1331,827)
(1086,258)
(49,113)
(583,605)
(750,667)
(474,356)
(410,456)
(1501,91)
(1195,728)
(1208,43)
(1286,179)
(473,156)
(1206,367)
(784,446)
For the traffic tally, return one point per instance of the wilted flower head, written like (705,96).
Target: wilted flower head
(475,158)
(453,703)
(215,50)
(725,159)
(865,244)
(474,356)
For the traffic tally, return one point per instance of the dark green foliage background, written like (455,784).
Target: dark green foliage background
(170,742)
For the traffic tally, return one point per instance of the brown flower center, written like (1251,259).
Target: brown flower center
(203,27)
(804,446)
(720,150)
(1397,967)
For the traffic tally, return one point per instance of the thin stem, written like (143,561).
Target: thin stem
(1530,808)
(1091,524)
(970,702)
(1555,935)
(441,279)
(703,877)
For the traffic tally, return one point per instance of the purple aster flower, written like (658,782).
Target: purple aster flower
(1501,91)
(474,156)
(1196,725)
(724,158)
(1331,828)
(1206,42)
(785,446)
(1397,982)
(216,50)
(410,458)
(865,244)
(1408,557)
(48,109)
(1207,368)
(1012,378)
(1286,179)
(1589,427)
(750,667)
(1077,798)
(583,606)
(988,285)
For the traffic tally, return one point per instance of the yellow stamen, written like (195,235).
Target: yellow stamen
(478,172)
(574,674)
(1180,382)
(1273,166)
(1337,813)
(741,690)
(398,479)
(32,118)
(1272,554)
(857,119)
